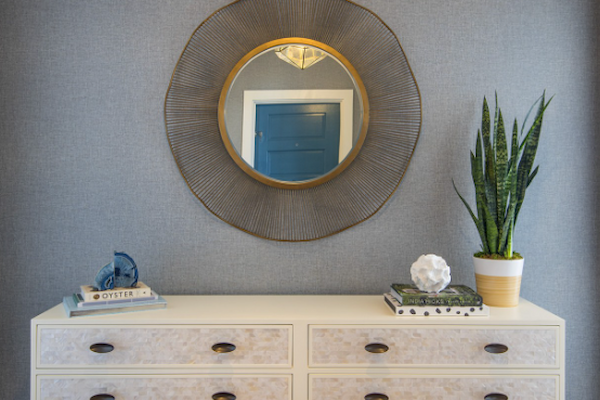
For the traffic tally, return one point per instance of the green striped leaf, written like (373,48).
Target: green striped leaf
(478,222)
(501,166)
(529,146)
(490,158)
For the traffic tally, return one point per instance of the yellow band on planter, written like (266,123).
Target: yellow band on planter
(499,291)
(498,281)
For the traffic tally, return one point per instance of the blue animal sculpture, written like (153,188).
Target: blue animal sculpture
(122,272)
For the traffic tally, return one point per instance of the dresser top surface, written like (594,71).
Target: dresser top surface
(282,309)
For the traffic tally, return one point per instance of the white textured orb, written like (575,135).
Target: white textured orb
(430,273)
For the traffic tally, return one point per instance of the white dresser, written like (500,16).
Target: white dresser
(296,347)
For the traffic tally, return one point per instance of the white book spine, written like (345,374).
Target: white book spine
(88,294)
(434,311)
(83,304)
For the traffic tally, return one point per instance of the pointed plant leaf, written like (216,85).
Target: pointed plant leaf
(533,174)
(487,143)
(530,145)
(485,122)
(502,184)
(478,223)
(489,175)
(477,175)
(531,109)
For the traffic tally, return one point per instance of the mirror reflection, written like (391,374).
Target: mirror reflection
(293,112)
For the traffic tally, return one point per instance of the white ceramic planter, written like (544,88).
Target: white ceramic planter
(498,281)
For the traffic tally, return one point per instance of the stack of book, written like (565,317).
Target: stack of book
(454,300)
(90,301)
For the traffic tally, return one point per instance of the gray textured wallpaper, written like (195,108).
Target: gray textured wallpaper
(86,167)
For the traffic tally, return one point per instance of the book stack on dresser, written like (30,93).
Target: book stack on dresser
(454,300)
(90,300)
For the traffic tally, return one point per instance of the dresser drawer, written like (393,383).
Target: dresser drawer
(434,345)
(164,387)
(183,345)
(358,387)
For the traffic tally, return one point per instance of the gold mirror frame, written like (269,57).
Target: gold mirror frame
(360,87)
(361,189)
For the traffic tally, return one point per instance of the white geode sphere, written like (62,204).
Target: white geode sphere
(430,273)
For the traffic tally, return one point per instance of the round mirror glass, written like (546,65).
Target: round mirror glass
(293,113)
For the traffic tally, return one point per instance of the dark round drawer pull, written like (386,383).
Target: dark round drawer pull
(496,348)
(377,348)
(496,396)
(223,396)
(223,347)
(376,396)
(102,396)
(102,348)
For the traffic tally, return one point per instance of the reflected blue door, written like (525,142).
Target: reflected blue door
(297,142)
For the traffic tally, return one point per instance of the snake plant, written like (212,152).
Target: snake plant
(501,173)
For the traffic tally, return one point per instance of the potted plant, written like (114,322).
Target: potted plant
(501,173)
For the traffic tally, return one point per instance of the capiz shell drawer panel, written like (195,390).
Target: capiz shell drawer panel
(164,387)
(155,345)
(456,387)
(421,345)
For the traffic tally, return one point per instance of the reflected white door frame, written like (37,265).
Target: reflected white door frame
(254,97)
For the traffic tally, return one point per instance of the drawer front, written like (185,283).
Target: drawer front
(164,387)
(434,345)
(169,345)
(442,388)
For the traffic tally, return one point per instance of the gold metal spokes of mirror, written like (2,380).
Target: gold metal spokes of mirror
(293,113)
(202,132)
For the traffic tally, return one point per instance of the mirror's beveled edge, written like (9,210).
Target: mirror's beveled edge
(289,184)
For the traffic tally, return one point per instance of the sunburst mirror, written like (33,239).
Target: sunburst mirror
(293,120)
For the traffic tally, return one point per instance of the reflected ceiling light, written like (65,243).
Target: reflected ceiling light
(301,57)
